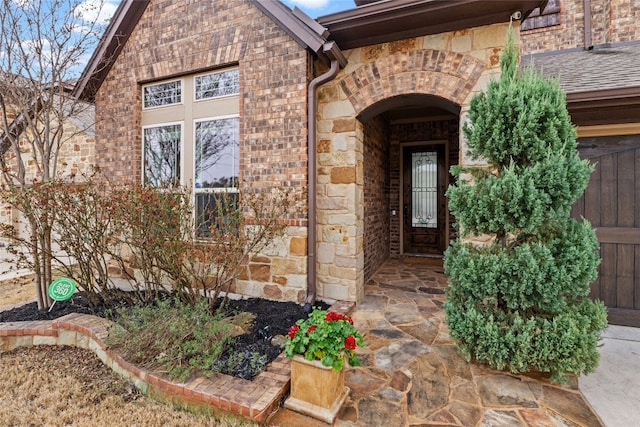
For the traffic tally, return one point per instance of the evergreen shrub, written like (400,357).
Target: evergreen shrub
(521,302)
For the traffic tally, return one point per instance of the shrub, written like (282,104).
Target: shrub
(521,302)
(171,337)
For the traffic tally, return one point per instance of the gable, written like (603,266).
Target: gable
(304,30)
(180,39)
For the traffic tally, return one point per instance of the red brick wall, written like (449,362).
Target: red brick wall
(180,37)
(376,195)
(625,20)
(612,21)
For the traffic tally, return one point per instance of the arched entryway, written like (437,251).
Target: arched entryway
(410,141)
(384,123)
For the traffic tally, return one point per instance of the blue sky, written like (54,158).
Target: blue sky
(315,8)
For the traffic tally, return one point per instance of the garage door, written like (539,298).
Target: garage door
(612,204)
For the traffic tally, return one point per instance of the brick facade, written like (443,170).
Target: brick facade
(179,38)
(376,195)
(612,21)
(448,67)
(176,38)
(355,232)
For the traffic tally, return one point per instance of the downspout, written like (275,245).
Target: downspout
(588,44)
(311,144)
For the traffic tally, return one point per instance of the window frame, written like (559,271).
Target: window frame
(145,86)
(187,113)
(210,73)
(211,190)
(181,146)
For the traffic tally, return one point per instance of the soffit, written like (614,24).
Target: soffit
(391,20)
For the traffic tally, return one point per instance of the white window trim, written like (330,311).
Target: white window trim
(193,164)
(182,146)
(208,73)
(182,87)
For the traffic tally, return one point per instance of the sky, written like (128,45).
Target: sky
(315,8)
(100,11)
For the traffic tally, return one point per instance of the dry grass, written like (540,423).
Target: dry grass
(64,386)
(16,291)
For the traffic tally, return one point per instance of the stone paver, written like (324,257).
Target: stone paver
(412,374)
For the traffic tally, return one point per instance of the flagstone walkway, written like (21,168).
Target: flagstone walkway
(412,374)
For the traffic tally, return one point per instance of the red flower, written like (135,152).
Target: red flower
(350,343)
(311,328)
(350,320)
(293,330)
(332,315)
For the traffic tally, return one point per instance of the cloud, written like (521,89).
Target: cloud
(96,11)
(22,3)
(311,4)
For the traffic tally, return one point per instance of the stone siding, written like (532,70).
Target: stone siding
(181,37)
(76,156)
(376,195)
(612,21)
(451,67)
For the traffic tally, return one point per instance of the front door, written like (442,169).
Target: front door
(424,205)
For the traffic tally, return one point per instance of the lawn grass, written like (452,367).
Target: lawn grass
(64,386)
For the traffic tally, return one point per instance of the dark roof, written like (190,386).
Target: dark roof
(390,20)
(585,70)
(602,84)
(115,36)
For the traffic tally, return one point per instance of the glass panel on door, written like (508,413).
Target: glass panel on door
(424,189)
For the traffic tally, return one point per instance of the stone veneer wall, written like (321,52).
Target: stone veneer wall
(613,21)
(76,156)
(376,195)
(451,66)
(181,37)
(442,130)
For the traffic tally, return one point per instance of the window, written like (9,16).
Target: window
(195,138)
(548,17)
(217,142)
(162,155)
(217,84)
(158,95)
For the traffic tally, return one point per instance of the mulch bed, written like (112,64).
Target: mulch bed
(272,318)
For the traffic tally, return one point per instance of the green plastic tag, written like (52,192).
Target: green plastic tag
(62,289)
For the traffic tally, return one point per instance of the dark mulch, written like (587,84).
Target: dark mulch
(250,353)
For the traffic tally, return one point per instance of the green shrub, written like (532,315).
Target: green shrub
(171,337)
(521,303)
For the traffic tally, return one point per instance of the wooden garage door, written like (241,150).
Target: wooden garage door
(612,204)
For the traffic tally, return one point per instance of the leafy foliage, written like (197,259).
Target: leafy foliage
(521,302)
(148,236)
(328,337)
(192,337)
(41,51)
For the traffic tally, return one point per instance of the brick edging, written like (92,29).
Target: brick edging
(255,399)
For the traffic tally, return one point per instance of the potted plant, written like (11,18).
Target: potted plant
(319,346)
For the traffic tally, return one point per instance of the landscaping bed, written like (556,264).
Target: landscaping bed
(251,349)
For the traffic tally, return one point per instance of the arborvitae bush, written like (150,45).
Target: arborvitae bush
(521,302)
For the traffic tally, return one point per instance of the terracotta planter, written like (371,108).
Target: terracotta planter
(316,390)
